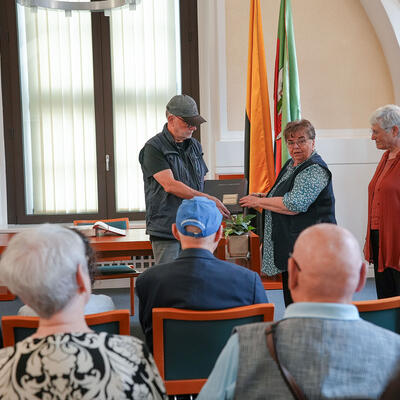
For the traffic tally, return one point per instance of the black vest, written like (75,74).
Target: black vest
(286,228)
(190,169)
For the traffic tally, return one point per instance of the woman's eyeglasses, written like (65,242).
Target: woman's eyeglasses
(300,142)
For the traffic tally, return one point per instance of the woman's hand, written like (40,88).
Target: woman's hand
(274,204)
(251,201)
(258,194)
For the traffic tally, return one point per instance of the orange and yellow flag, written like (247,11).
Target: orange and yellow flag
(259,156)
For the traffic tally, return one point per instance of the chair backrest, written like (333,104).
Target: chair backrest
(187,343)
(120,223)
(16,328)
(382,312)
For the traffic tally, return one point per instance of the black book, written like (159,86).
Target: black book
(229,191)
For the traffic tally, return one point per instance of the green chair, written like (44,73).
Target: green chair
(16,328)
(187,343)
(383,312)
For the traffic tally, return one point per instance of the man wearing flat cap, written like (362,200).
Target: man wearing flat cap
(173,169)
(196,280)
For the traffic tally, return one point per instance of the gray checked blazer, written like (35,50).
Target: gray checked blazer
(329,359)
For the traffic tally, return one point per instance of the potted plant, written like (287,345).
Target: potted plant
(237,234)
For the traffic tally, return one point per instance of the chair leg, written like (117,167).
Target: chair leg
(5,294)
(132,290)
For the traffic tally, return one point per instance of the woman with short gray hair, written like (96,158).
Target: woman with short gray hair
(302,195)
(382,244)
(47,267)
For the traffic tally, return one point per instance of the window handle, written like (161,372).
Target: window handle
(107,162)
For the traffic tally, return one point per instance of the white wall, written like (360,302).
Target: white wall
(352,159)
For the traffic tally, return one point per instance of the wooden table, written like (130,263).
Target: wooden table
(254,260)
(136,242)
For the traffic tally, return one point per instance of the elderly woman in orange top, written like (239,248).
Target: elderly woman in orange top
(382,245)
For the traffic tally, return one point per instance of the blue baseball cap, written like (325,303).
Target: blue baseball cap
(200,212)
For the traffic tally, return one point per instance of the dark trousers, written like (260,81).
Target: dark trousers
(388,281)
(286,292)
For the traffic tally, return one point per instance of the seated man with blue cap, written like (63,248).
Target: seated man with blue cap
(196,280)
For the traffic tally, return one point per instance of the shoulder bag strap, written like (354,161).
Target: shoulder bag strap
(286,375)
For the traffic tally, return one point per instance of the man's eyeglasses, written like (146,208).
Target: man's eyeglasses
(187,125)
(300,142)
(296,264)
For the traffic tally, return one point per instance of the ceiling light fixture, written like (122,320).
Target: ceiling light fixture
(69,6)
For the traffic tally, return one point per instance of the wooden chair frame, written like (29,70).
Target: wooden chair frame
(191,386)
(5,294)
(382,312)
(9,322)
(272,282)
(377,305)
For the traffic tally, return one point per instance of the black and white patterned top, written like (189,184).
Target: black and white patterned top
(79,366)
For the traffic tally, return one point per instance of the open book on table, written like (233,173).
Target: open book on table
(101,227)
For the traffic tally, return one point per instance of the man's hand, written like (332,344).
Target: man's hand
(221,207)
(166,179)
(250,201)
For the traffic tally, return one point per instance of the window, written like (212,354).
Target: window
(90,92)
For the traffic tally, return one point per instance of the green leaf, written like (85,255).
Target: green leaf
(238,225)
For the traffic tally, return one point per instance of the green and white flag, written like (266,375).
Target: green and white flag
(286,85)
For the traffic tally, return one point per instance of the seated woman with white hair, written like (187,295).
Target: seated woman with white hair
(97,303)
(47,268)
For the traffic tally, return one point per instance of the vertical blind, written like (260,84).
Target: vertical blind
(56,74)
(145,75)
